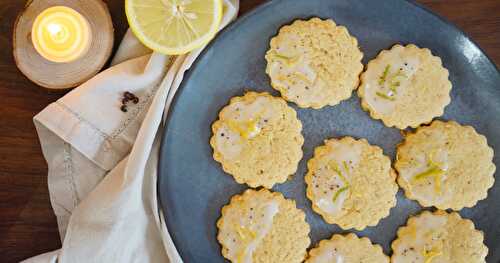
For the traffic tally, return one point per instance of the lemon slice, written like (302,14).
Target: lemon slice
(174,26)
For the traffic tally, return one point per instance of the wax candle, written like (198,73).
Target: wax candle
(61,34)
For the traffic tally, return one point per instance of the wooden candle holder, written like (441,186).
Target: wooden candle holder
(60,76)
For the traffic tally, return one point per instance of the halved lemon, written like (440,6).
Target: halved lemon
(174,26)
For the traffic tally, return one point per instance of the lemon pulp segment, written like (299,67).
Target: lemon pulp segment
(174,26)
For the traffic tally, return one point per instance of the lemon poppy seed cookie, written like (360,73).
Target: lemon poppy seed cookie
(445,165)
(258,139)
(347,249)
(262,226)
(405,86)
(439,237)
(351,183)
(314,63)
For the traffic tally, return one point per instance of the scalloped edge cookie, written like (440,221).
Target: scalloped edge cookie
(393,118)
(288,237)
(475,236)
(351,217)
(479,189)
(359,247)
(260,176)
(335,85)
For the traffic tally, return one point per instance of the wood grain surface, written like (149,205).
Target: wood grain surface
(27,224)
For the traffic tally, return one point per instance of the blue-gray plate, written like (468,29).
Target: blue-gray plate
(192,186)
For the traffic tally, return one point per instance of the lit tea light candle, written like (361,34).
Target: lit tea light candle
(61,34)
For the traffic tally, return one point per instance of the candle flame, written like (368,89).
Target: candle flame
(54,29)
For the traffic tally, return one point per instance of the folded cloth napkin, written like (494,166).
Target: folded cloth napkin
(103,162)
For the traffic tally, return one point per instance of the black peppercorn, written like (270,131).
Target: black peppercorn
(128,95)
(123,108)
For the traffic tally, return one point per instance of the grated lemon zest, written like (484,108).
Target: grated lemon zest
(430,255)
(245,128)
(289,61)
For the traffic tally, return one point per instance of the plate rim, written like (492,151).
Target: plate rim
(221,35)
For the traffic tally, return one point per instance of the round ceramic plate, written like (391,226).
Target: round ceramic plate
(193,187)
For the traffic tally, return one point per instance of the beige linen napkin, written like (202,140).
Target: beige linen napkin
(102,162)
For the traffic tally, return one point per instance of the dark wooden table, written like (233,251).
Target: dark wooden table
(27,224)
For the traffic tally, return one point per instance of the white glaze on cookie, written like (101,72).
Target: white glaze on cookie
(242,121)
(252,228)
(384,87)
(331,183)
